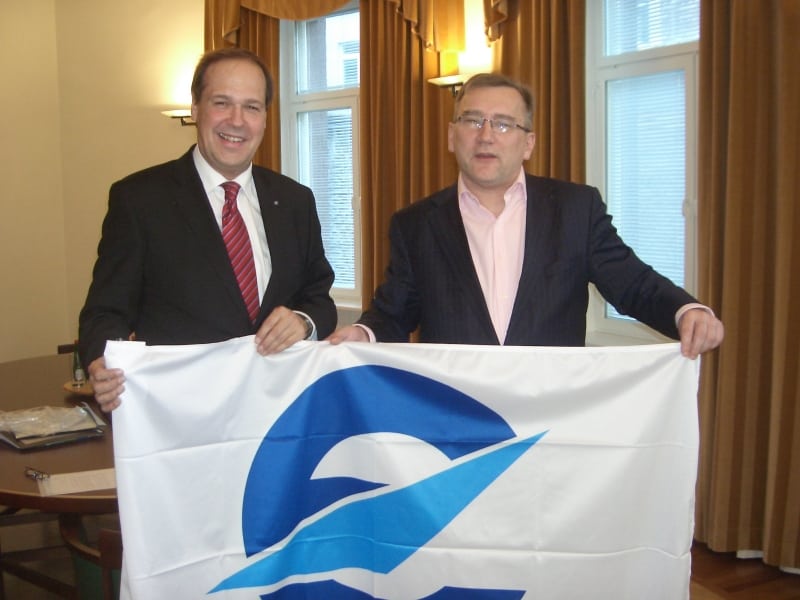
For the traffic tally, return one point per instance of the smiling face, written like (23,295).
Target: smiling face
(231,115)
(489,160)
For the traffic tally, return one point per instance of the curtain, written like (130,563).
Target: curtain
(221,23)
(404,154)
(748,494)
(223,17)
(292,9)
(260,33)
(542,43)
(496,14)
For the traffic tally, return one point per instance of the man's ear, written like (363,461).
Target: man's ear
(530,142)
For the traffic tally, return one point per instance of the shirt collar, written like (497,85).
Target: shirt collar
(514,193)
(212,179)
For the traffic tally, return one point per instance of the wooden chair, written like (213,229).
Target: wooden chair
(17,562)
(97,568)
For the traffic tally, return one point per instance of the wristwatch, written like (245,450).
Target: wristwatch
(309,325)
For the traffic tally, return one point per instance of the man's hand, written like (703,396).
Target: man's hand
(107,384)
(281,329)
(700,331)
(350,333)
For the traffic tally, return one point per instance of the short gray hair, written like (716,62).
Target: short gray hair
(487,80)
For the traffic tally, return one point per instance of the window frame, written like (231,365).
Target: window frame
(291,105)
(600,69)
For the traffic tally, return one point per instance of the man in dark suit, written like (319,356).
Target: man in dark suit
(164,271)
(506,258)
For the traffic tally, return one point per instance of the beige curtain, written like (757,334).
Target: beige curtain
(221,23)
(223,17)
(293,9)
(749,263)
(404,154)
(542,43)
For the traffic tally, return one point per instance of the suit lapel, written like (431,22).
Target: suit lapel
(448,230)
(538,226)
(192,202)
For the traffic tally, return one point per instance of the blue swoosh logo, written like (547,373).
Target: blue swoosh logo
(333,589)
(345,403)
(351,535)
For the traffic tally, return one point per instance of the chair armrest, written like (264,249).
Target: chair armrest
(73,535)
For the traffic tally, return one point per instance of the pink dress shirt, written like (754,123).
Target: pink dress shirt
(497,245)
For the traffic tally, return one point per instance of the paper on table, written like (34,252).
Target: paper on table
(81,481)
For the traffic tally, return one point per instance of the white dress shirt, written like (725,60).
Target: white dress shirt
(247,203)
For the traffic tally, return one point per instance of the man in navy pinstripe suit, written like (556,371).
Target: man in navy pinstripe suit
(503,257)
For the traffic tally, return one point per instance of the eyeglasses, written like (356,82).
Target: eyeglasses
(498,125)
(36,474)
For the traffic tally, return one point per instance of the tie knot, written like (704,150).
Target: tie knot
(231,190)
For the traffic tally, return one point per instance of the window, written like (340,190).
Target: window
(641,99)
(319,132)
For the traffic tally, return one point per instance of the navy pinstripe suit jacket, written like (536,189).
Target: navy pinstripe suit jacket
(431,283)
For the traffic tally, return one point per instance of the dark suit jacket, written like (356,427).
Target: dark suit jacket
(431,282)
(163,272)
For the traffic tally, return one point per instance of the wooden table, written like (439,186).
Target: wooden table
(37,382)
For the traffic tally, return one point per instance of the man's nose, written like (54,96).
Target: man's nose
(486,132)
(237,114)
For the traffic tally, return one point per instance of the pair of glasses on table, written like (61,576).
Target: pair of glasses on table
(36,474)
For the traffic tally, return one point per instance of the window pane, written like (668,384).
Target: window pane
(646,179)
(328,53)
(634,25)
(325,153)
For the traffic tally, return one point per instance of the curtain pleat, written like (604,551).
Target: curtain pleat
(543,44)
(496,13)
(221,23)
(438,23)
(404,154)
(261,34)
(748,493)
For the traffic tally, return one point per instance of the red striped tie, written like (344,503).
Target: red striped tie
(234,233)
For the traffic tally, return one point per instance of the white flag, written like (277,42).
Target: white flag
(405,471)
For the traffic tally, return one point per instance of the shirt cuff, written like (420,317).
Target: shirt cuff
(691,306)
(370,333)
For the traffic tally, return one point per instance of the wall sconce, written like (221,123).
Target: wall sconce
(454,82)
(184,114)
(476,56)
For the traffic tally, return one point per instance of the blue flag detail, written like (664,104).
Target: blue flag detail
(376,533)
(379,533)
(333,589)
(349,402)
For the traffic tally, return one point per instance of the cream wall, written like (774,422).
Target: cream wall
(33,302)
(84,82)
